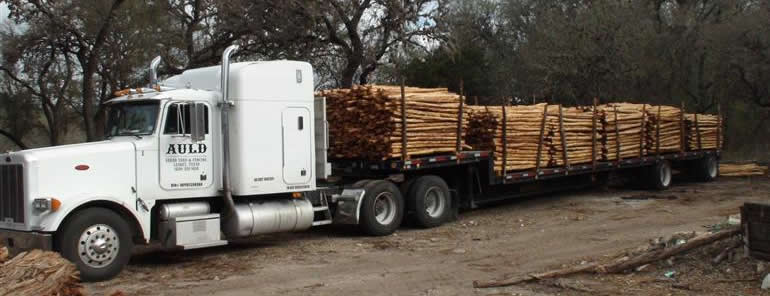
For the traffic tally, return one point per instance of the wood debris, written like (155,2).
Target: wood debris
(742,170)
(39,273)
(615,267)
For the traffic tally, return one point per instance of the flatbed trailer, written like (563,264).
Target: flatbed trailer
(472,180)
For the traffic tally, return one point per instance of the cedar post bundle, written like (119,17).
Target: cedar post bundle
(522,132)
(533,136)
(623,130)
(666,128)
(703,131)
(365,122)
(482,125)
(576,129)
(39,273)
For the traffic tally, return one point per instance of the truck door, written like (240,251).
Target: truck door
(297,146)
(184,164)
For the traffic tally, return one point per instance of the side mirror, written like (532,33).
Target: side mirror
(197,122)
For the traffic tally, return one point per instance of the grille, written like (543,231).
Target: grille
(11,193)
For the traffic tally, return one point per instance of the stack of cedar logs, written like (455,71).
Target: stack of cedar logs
(574,133)
(611,132)
(623,131)
(666,129)
(704,131)
(365,122)
(482,127)
(520,136)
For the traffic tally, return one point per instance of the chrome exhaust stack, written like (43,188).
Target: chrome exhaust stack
(154,72)
(226,105)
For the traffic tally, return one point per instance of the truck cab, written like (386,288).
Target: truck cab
(159,173)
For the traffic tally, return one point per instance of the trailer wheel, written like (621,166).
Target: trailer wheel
(660,175)
(705,169)
(382,209)
(98,241)
(430,200)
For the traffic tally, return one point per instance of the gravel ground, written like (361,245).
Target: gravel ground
(512,238)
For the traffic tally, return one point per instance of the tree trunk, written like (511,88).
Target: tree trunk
(16,141)
(349,72)
(365,72)
(88,104)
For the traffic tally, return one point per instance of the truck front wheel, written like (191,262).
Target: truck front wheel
(430,200)
(98,241)
(382,208)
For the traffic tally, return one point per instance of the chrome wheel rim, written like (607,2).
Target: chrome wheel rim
(385,208)
(98,245)
(435,202)
(665,175)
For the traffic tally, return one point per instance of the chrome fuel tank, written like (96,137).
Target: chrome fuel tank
(262,217)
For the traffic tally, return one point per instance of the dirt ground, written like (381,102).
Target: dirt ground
(513,238)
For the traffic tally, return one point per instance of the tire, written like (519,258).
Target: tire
(382,209)
(361,183)
(405,187)
(430,200)
(660,176)
(705,169)
(96,228)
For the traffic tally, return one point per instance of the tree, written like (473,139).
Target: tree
(35,64)
(84,26)
(364,30)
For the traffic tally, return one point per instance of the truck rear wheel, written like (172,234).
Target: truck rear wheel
(382,209)
(705,169)
(430,200)
(98,241)
(659,175)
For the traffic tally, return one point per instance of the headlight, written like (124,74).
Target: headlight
(45,204)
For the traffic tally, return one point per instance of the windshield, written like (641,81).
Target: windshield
(132,119)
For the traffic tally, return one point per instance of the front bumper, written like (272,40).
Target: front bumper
(19,241)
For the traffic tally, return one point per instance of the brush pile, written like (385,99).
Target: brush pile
(39,273)
(365,122)
(704,131)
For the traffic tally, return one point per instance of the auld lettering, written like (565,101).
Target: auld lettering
(186,148)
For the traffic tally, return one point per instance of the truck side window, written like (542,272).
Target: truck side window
(174,125)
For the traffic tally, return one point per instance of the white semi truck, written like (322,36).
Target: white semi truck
(237,151)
